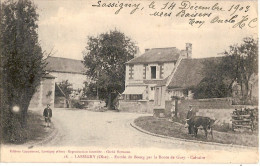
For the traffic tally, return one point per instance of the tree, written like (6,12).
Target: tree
(64,89)
(105,57)
(243,64)
(21,60)
(239,64)
(215,83)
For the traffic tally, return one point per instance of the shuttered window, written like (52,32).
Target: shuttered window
(131,72)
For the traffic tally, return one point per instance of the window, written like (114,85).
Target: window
(134,97)
(131,71)
(153,72)
(152,88)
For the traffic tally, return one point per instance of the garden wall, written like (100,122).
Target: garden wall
(202,104)
(219,109)
(93,104)
(140,106)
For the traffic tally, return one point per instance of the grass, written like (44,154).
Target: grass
(177,130)
(34,132)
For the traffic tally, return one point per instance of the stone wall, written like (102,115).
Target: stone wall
(219,109)
(222,116)
(44,94)
(140,106)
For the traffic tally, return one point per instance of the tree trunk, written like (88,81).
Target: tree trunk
(246,91)
(24,119)
(24,110)
(109,103)
(242,93)
(230,87)
(67,103)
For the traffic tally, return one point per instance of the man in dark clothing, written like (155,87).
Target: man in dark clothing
(47,113)
(190,115)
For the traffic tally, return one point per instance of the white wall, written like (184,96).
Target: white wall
(126,75)
(167,69)
(138,72)
(151,92)
(77,80)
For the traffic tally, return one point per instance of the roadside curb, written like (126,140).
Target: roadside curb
(187,140)
(47,139)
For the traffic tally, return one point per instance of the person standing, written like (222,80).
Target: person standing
(190,115)
(47,113)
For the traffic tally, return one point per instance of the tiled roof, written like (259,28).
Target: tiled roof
(157,55)
(64,65)
(47,75)
(188,73)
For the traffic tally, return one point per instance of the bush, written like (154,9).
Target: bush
(78,105)
(15,133)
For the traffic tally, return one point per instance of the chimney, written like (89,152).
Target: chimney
(189,50)
(183,53)
(137,52)
(147,49)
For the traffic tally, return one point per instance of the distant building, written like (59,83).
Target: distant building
(153,67)
(57,70)
(67,69)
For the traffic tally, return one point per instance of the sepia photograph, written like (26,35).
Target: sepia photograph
(129,81)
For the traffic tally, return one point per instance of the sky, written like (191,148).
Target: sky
(64,26)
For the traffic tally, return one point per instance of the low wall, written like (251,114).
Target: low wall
(222,116)
(93,104)
(140,106)
(199,104)
(219,109)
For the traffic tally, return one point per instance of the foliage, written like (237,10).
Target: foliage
(242,60)
(213,84)
(239,64)
(78,105)
(22,62)
(65,89)
(105,57)
(90,91)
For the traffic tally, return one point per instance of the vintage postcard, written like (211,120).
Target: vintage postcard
(129,81)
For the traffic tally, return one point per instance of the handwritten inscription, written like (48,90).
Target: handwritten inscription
(196,14)
(120,5)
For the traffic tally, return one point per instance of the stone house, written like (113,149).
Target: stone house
(153,67)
